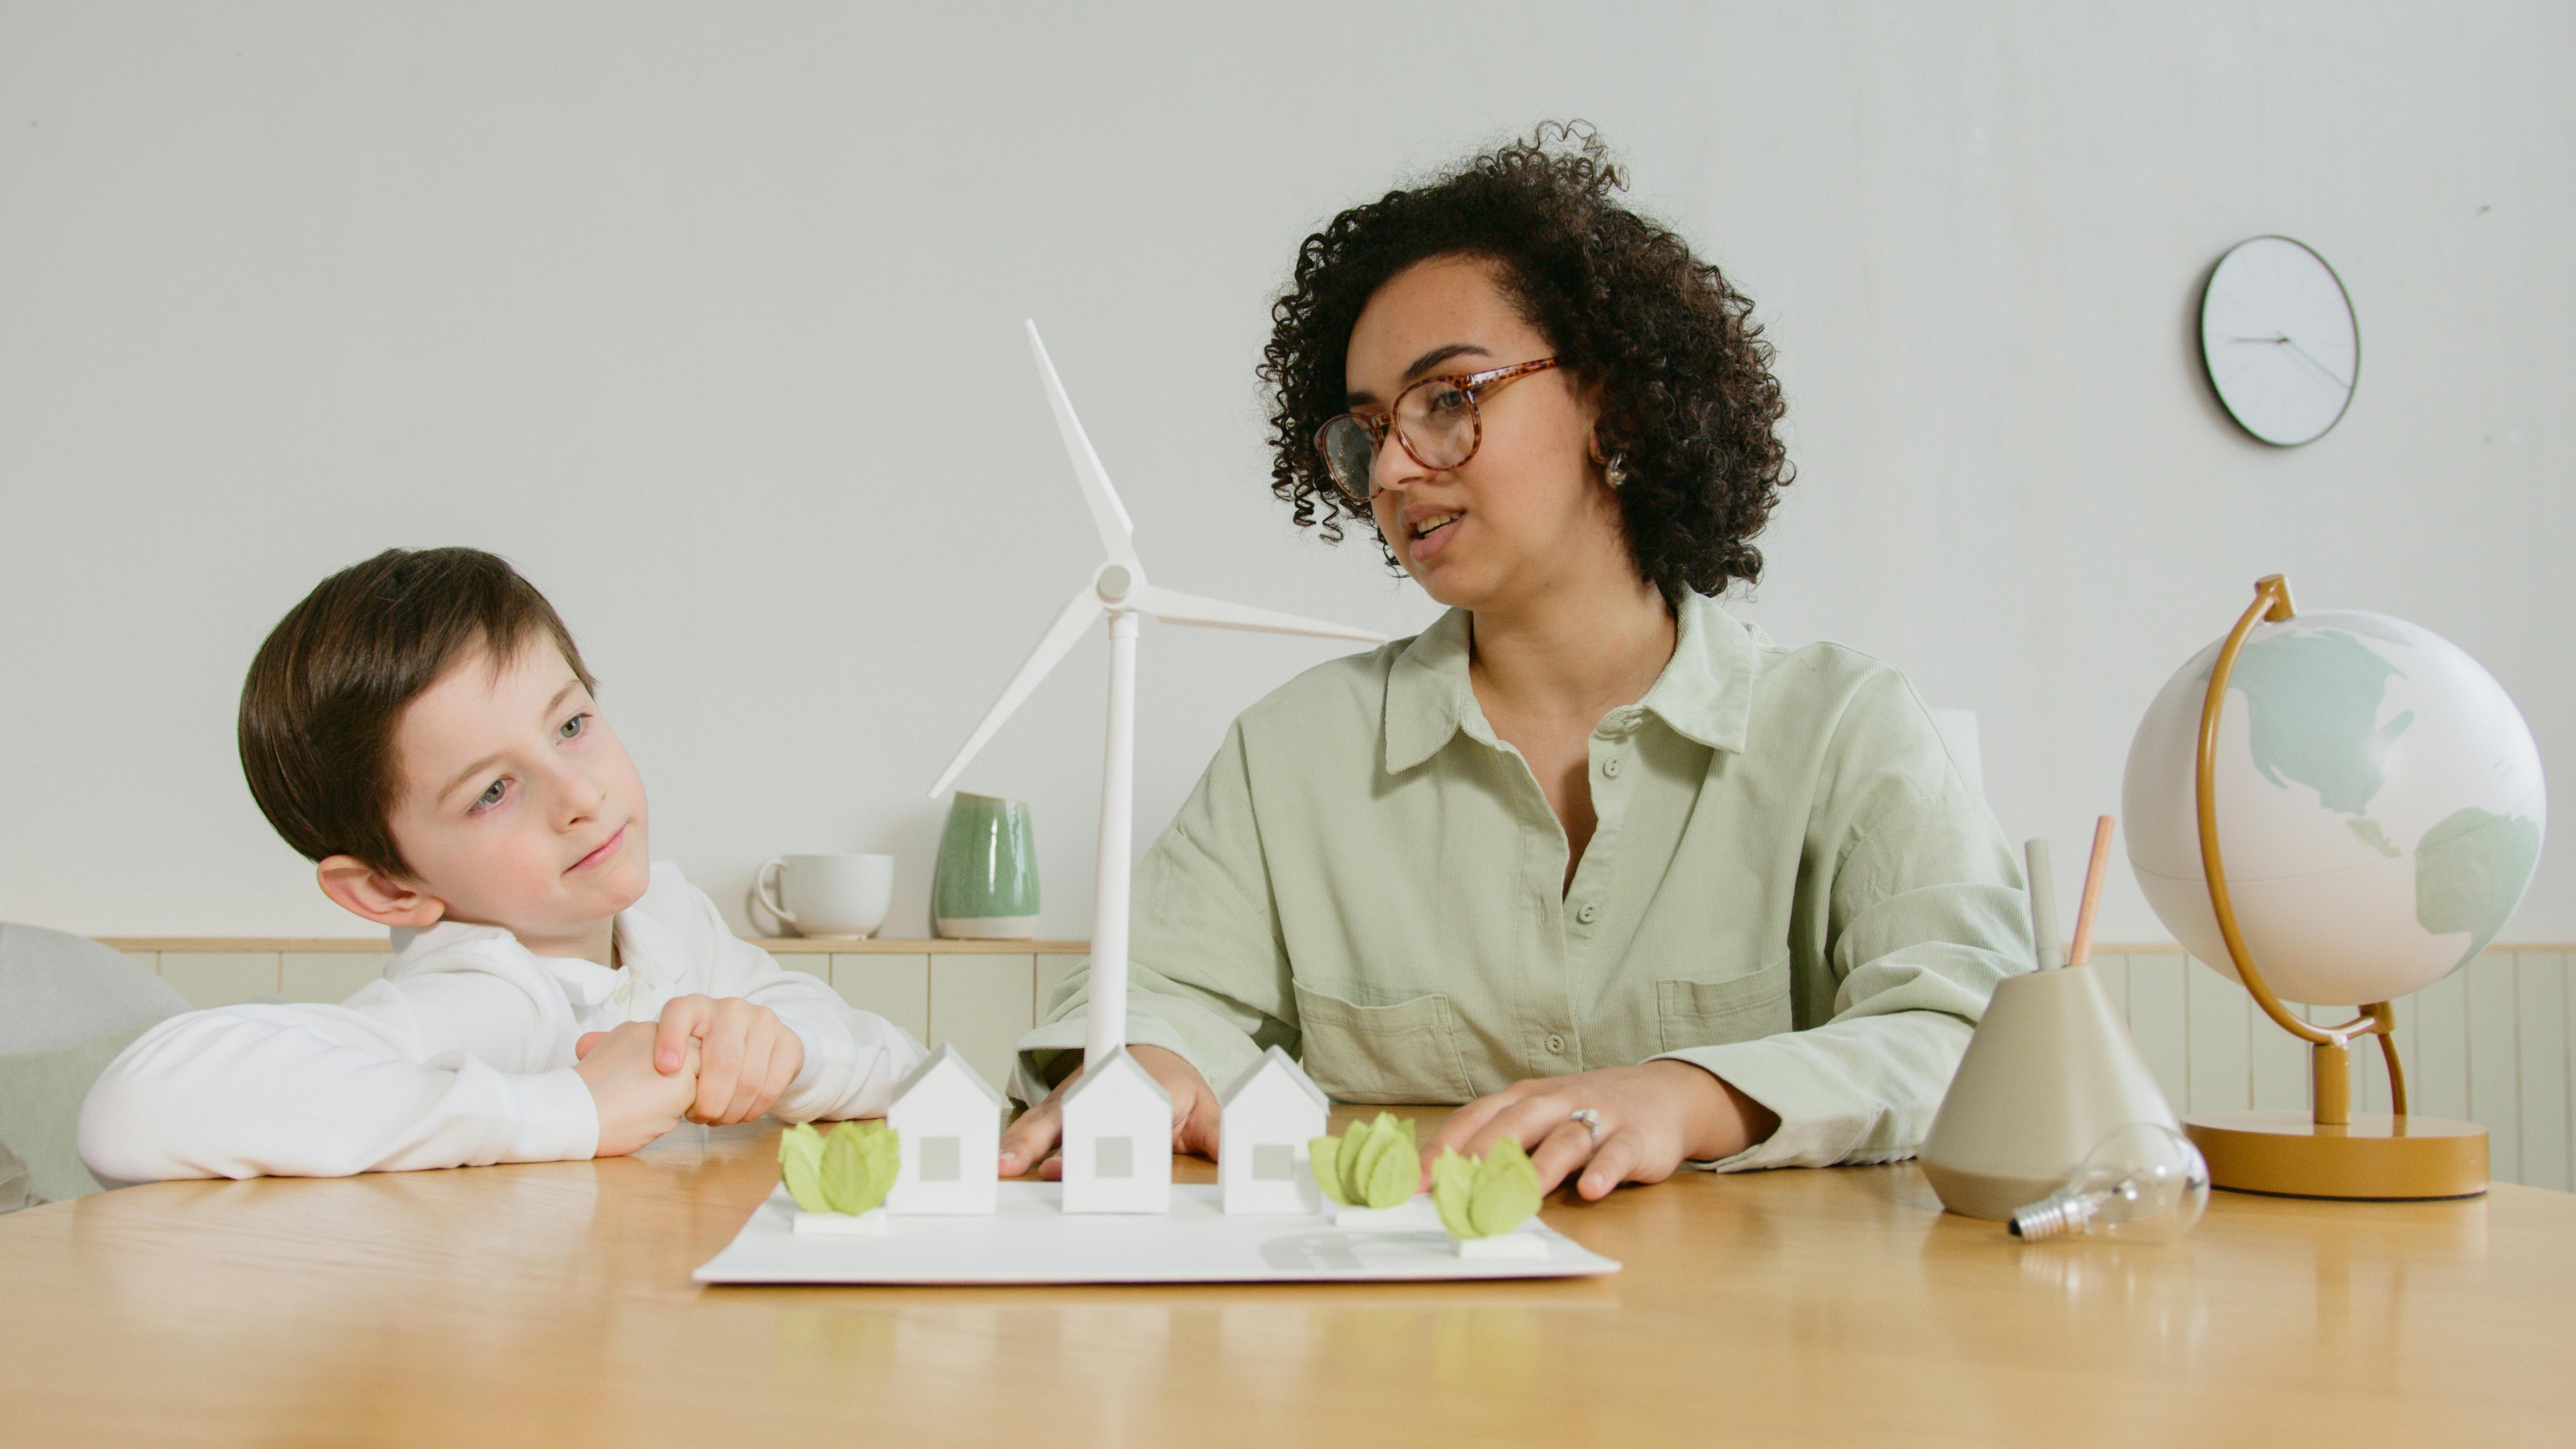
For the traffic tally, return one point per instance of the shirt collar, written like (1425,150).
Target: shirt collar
(1428,698)
(648,951)
(1705,694)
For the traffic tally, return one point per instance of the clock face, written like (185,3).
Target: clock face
(2277,335)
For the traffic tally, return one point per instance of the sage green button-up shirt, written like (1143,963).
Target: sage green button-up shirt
(1791,885)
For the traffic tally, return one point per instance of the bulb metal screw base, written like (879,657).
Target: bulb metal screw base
(2059,1213)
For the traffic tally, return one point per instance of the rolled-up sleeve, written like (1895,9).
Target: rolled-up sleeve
(1908,898)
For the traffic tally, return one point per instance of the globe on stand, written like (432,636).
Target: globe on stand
(2361,819)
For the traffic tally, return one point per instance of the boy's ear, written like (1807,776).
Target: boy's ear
(363,890)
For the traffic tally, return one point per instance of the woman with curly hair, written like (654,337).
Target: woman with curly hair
(1640,886)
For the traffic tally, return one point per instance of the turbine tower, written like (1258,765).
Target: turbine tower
(1118,592)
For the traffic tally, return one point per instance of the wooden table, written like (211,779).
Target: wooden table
(551,1304)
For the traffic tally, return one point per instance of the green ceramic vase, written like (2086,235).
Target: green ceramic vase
(986,883)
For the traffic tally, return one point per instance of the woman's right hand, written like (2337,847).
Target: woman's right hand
(1031,1141)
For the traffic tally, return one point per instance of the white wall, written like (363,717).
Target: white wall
(707,316)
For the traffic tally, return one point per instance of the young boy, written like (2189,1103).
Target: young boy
(422,728)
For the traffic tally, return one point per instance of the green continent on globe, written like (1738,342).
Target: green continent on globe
(2470,869)
(2313,702)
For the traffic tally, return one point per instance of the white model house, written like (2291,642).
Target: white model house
(949,1122)
(1271,1113)
(1117,1139)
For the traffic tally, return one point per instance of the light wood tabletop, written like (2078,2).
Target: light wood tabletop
(551,1304)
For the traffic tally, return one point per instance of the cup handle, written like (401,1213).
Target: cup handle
(761,886)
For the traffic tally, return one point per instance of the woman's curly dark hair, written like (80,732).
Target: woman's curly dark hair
(1688,403)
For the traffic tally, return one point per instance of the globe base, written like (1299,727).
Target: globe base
(2374,1157)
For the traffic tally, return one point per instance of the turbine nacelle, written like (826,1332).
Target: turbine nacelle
(1113,582)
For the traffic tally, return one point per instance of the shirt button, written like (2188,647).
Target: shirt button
(1586,914)
(1555,1044)
(624,990)
(1610,767)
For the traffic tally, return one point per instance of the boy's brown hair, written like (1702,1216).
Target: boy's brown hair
(328,689)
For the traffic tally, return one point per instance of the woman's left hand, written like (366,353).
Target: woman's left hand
(1653,1117)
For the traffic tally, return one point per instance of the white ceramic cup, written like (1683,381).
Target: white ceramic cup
(828,895)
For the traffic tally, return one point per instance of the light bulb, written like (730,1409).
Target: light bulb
(2144,1182)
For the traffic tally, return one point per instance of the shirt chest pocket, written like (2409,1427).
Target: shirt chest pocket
(1407,1052)
(1713,1013)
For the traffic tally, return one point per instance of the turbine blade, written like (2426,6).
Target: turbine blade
(1173,606)
(1078,613)
(1108,515)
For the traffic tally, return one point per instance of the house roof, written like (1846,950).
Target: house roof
(1109,1069)
(948,1054)
(1275,1062)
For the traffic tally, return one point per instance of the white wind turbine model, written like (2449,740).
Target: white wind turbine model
(1119,591)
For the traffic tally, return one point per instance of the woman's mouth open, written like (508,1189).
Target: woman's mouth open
(607,848)
(1431,534)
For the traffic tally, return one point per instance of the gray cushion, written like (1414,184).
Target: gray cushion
(68,1005)
(59,990)
(17,1185)
(40,1102)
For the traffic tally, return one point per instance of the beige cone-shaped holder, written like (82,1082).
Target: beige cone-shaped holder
(2049,1074)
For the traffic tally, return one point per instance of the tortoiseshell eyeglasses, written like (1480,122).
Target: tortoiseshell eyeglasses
(1435,421)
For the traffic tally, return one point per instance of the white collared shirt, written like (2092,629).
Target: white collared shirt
(461,1055)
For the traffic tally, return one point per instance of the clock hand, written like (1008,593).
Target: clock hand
(2283,340)
(2319,366)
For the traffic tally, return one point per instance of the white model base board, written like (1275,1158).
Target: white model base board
(1029,1239)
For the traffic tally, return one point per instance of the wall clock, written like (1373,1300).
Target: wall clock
(2277,335)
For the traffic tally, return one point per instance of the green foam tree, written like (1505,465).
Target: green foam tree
(1373,1165)
(848,1171)
(1478,1197)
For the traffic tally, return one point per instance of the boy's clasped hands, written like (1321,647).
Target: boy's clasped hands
(709,1060)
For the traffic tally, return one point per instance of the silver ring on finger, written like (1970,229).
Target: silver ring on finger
(1590,1119)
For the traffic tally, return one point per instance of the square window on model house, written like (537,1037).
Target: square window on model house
(939,1159)
(1273,1162)
(1113,1157)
